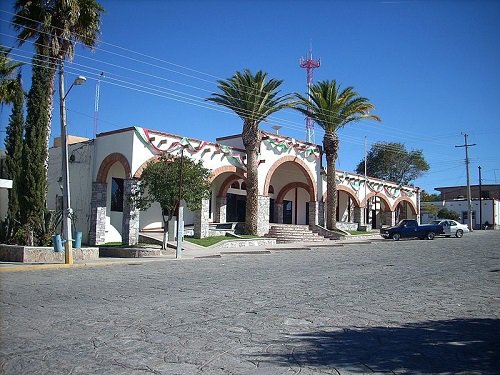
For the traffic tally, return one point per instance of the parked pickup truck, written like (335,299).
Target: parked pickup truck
(409,228)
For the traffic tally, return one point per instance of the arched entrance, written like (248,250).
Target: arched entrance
(228,195)
(290,188)
(404,209)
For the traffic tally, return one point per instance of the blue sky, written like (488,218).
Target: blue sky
(430,67)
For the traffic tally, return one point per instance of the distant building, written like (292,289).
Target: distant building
(460,192)
(485,212)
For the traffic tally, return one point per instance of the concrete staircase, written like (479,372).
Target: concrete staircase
(288,233)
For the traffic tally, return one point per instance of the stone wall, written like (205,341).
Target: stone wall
(245,243)
(130,223)
(263,215)
(201,220)
(40,254)
(97,233)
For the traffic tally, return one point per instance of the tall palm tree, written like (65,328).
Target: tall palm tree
(332,108)
(253,98)
(56,26)
(8,77)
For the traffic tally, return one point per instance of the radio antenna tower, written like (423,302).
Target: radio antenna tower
(96,102)
(309,64)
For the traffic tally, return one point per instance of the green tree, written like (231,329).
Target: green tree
(32,202)
(391,161)
(8,80)
(426,197)
(13,159)
(160,183)
(444,213)
(332,108)
(430,208)
(55,26)
(253,98)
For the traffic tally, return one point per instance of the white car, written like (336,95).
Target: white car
(452,227)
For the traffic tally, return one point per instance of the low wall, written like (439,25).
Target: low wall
(127,252)
(347,226)
(41,254)
(244,243)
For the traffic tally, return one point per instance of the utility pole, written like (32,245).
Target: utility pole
(480,200)
(469,204)
(366,182)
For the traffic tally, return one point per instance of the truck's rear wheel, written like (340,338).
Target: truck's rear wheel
(396,236)
(430,236)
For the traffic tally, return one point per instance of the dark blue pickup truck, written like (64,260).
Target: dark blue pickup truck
(410,229)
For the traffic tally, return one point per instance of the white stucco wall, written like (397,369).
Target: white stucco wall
(80,167)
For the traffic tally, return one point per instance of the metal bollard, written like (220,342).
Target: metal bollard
(78,240)
(57,242)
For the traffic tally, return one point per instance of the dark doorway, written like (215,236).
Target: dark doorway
(307,213)
(236,207)
(271,211)
(374,219)
(287,212)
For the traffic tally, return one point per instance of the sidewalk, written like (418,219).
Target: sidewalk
(190,251)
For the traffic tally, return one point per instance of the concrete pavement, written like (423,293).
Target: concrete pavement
(407,307)
(190,251)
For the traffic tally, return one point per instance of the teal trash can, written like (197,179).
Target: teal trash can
(78,240)
(57,242)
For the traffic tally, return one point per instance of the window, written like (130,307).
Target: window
(235,185)
(243,186)
(117,194)
(270,190)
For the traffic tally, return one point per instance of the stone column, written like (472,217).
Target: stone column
(321,213)
(278,213)
(263,215)
(390,218)
(201,219)
(359,216)
(97,235)
(313,213)
(220,210)
(130,222)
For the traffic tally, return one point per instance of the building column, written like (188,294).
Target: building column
(263,215)
(359,216)
(97,234)
(278,213)
(321,213)
(220,210)
(130,221)
(313,213)
(390,218)
(201,219)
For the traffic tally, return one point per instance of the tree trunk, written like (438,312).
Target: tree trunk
(331,144)
(251,139)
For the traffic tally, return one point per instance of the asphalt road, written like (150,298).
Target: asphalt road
(420,307)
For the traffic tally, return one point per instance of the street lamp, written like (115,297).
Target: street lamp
(68,245)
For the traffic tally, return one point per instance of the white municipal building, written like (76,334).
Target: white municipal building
(292,185)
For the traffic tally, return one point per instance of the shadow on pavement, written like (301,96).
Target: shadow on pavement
(448,346)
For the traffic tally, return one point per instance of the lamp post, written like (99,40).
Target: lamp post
(68,245)
(180,215)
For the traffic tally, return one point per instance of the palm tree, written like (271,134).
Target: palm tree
(8,77)
(56,26)
(253,98)
(333,108)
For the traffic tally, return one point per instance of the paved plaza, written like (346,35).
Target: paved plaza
(419,307)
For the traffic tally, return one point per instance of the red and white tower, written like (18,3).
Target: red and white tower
(309,64)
